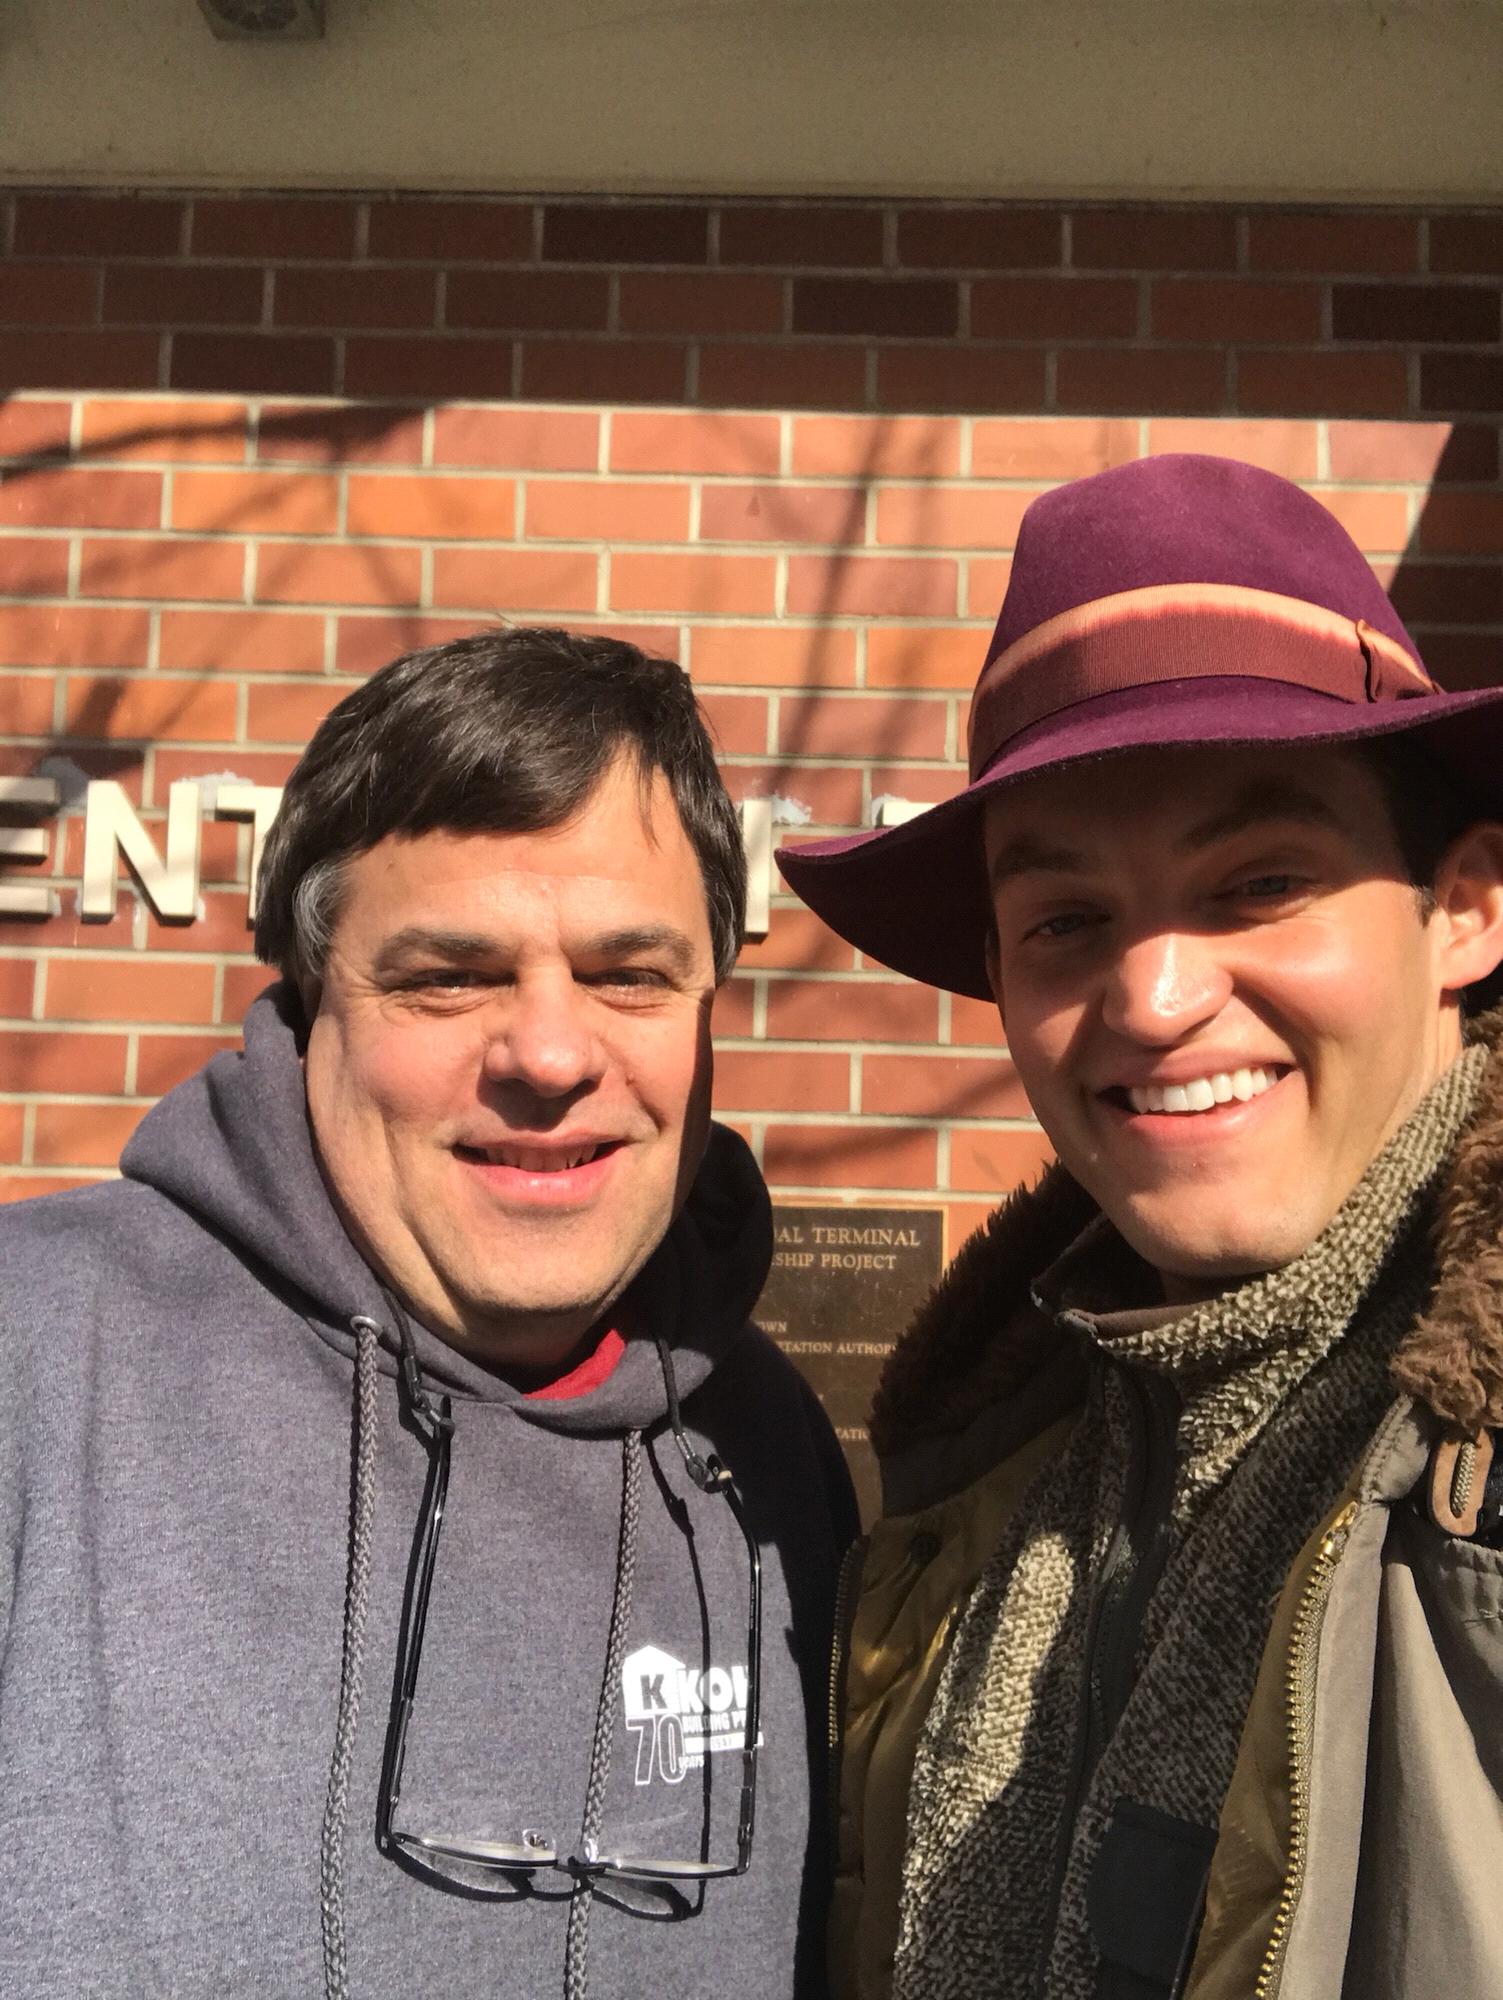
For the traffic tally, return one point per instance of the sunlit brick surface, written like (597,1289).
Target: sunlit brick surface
(253,447)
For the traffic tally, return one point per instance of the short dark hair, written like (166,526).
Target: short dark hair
(509,731)
(1428,808)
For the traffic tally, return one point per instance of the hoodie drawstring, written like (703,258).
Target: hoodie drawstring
(367,1334)
(577,1938)
(351,1667)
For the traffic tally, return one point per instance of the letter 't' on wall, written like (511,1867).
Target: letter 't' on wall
(756,834)
(258,804)
(111,828)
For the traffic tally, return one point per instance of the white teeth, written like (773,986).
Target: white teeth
(528,1160)
(1202,1093)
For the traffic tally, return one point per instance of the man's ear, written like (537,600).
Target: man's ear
(1469,906)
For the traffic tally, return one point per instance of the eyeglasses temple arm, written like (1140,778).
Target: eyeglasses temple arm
(711,1475)
(752,1739)
(433,1419)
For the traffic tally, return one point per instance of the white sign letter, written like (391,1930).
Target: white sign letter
(891,811)
(258,804)
(110,824)
(756,833)
(26,843)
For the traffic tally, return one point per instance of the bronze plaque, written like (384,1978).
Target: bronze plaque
(844,1284)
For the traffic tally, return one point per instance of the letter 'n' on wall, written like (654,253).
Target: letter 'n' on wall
(111,828)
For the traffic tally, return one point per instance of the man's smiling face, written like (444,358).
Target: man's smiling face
(1220,990)
(509,1068)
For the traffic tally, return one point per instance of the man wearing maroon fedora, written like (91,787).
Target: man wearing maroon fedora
(1176,1660)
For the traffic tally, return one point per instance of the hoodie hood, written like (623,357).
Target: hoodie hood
(220,1504)
(233,1146)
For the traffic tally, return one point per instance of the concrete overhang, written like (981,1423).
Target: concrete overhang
(1277,100)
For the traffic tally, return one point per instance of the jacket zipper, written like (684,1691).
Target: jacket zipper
(1299,1718)
(1113,1622)
(845,1618)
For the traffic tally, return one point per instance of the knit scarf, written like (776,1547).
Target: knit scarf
(1276,1388)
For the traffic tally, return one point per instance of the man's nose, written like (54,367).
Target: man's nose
(1163,986)
(545,1040)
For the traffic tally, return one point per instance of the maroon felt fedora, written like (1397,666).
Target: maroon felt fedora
(1174,601)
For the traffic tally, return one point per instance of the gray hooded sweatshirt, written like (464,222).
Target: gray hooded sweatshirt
(206,1528)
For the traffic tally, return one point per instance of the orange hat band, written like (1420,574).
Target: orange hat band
(1171,632)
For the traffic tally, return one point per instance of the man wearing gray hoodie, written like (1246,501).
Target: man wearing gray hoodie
(415,1572)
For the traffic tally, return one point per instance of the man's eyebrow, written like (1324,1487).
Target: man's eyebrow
(470,947)
(1264,801)
(423,940)
(1026,854)
(1267,799)
(635,939)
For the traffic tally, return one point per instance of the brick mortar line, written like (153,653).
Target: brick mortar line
(712,202)
(47,1024)
(941,1128)
(887,269)
(934,553)
(292,679)
(977,1053)
(315,402)
(531,543)
(825,482)
(45,953)
(85,1100)
(845,1121)
(872,979)
(852,1195)
(857,1195)
(19,1025)
(879,340)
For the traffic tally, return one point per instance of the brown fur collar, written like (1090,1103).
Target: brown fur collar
(974,1342)
(1453,1360)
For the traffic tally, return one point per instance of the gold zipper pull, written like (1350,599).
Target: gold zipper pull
(1334,1538)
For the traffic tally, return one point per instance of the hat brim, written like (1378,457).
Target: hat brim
(914,897)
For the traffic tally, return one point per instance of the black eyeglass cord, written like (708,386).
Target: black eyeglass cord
(577,1937)
(351,1667)
(707,1473)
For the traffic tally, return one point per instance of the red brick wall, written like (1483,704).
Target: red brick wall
(253,447)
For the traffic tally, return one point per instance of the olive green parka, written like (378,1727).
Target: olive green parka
(1359,1854)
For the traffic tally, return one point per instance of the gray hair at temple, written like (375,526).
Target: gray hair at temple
(506,732)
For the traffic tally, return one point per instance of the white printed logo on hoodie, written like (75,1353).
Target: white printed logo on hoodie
(678,1714)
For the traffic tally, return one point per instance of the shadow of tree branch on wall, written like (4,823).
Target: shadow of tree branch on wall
(841,739)
(1448,584)
(116,707)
